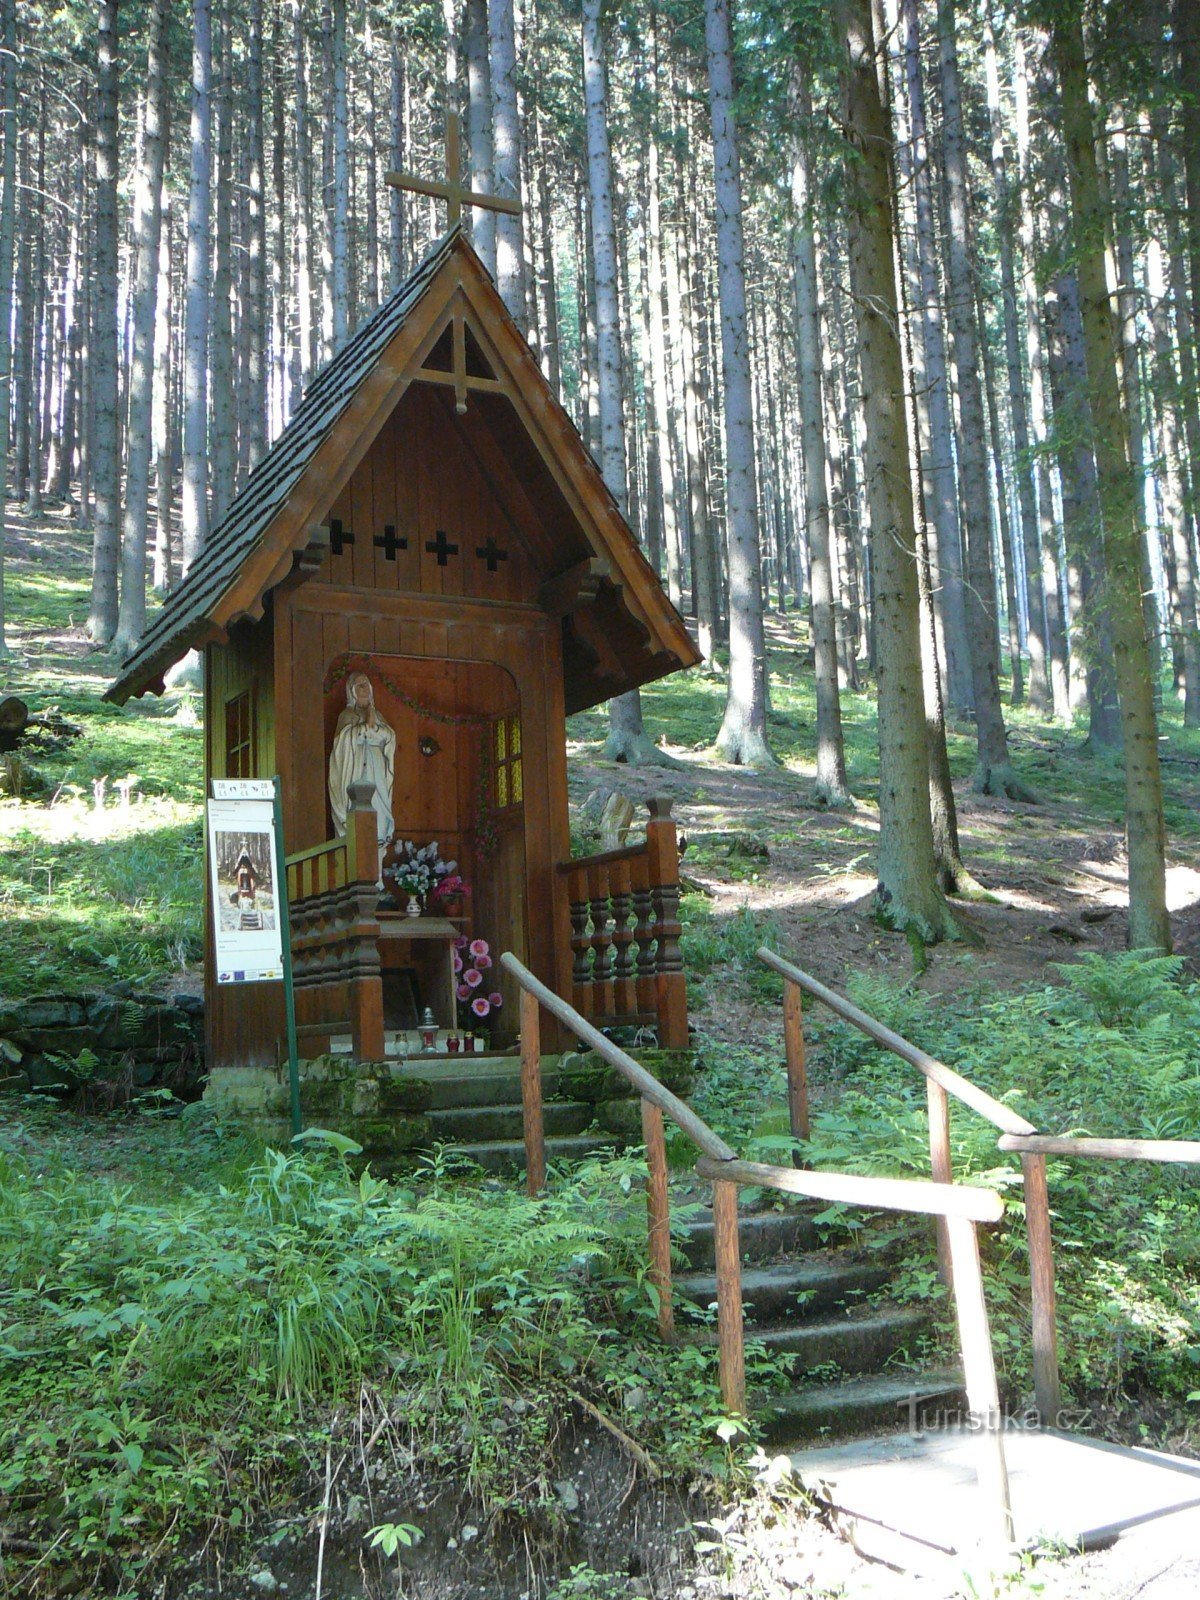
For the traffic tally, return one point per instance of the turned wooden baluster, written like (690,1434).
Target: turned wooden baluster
(624,971)
(643,930)
(602,970)
(581,942)
(662,850)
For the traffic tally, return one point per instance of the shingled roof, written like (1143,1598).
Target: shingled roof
(243,558)
(184,619)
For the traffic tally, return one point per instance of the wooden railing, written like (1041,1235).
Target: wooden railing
(1016,1135)
(959,1207)
(625,962)
(333,896)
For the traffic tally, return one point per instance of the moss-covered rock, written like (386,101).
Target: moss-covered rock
(587,1076)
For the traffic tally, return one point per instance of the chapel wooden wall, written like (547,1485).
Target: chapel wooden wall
(422,477)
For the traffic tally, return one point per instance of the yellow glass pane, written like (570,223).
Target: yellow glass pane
(514,736)
(501,786)
(501,742)
(518,786)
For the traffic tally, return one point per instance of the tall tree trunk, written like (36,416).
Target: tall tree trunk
(106,436)
(627,740)
(147,228)
(161,424)
(398,148)
(933,392)
(656,331)
(1175,511)
(908,895)
(479,129)
(194,512)
(279,238)
(502,51)
(1056,632)
(254,401)
(993,771)
(8,218)
(1004,534)
(832,786)
(371,276)
(1145,831)
(1187,35)
(743,733)
(223,435)
(1023,467)
(341,180)
(309,358)
(37,227)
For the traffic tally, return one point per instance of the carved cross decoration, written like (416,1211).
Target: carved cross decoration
(492,554)
(454,192)
(339,537)
(441,548)
(389,543)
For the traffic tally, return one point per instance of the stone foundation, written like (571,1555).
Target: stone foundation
(46,1043)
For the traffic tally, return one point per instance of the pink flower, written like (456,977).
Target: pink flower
(480,1006)
(458,962)
(479,947)
(463,992)
(495,1000)
(482,962)
(461,942)
(472,977)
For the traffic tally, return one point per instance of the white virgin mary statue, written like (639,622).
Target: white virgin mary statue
(364,751)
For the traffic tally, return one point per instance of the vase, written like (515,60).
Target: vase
(413,908)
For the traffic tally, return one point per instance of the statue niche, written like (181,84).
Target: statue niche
(364,751)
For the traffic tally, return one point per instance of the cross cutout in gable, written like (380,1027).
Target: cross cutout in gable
(441,548)
(492,554)
(389,543)
(339,537)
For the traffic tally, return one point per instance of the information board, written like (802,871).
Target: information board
(245,867)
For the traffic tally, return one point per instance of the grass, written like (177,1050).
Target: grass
(176,1351)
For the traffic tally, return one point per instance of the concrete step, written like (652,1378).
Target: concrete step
(482,1124)
(486,1083)
(861,1342)
(762,1235)
(508,1155)
(887,1402)
(791,1288)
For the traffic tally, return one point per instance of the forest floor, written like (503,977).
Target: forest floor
(93,889)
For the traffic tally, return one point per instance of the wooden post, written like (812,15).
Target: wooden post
(793,1036)
(662,851)
(658,1214)
(939,1160)
(979,1374)
(531,1094)
(730,1335)
(1046,1385)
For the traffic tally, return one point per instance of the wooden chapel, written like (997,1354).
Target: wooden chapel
(430,517)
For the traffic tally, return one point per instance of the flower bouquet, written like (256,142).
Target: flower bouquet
(472,974)
(418,873)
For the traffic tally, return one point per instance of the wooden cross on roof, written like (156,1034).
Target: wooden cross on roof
(454,192)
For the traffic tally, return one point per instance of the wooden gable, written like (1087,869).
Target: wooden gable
(434,422)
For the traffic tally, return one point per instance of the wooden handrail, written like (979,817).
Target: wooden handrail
(960,1207)
(328,847)
(604,858)
(1186,1152)
(915,1195)
(646,1084)
(994,1111)
(941,1082)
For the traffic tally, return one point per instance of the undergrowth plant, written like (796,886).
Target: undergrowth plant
(168,1366)
(1112,1049)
